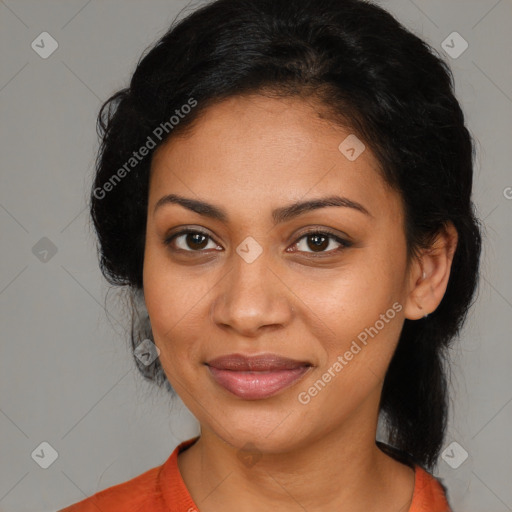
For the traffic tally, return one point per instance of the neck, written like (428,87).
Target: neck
(341,469)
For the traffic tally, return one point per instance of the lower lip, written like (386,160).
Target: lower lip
(256,385)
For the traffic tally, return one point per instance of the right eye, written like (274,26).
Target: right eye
(190,240)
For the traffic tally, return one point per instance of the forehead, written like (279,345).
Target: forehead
(254,148)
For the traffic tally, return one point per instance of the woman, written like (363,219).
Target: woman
(285,190)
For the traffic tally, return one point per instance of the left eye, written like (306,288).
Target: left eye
(318,242)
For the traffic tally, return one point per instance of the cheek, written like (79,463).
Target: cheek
(177,307)
(356,315)
(170,295)
(348,300)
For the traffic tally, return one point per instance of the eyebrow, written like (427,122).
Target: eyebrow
(279,215)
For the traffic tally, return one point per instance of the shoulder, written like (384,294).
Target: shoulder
(157,490)
(129,496)
(429,493)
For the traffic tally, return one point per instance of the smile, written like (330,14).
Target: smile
(256,377)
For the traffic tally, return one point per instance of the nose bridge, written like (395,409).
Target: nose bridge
(251,295)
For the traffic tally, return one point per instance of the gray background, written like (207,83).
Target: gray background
(67,375)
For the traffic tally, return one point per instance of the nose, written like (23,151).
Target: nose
(251,298)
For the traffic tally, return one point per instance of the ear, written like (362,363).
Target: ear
(429,274)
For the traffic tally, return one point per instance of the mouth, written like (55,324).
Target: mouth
(256,377)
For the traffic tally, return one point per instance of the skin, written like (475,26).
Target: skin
(249,155)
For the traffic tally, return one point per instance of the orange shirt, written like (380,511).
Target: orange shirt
(161,489)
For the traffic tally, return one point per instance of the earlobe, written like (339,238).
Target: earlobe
(430,274)
(416,304)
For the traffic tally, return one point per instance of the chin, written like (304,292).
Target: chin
(276,431)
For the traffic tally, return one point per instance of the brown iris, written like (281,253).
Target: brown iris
(193,240)
(320,242)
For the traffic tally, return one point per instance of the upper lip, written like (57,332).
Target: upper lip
(262,362)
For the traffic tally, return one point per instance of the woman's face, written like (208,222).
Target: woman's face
(253,282)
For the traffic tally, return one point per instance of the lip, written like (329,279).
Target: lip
(256,377)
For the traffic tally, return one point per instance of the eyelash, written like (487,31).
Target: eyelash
(343,243)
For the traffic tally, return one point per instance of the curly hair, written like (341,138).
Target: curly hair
(367,72)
